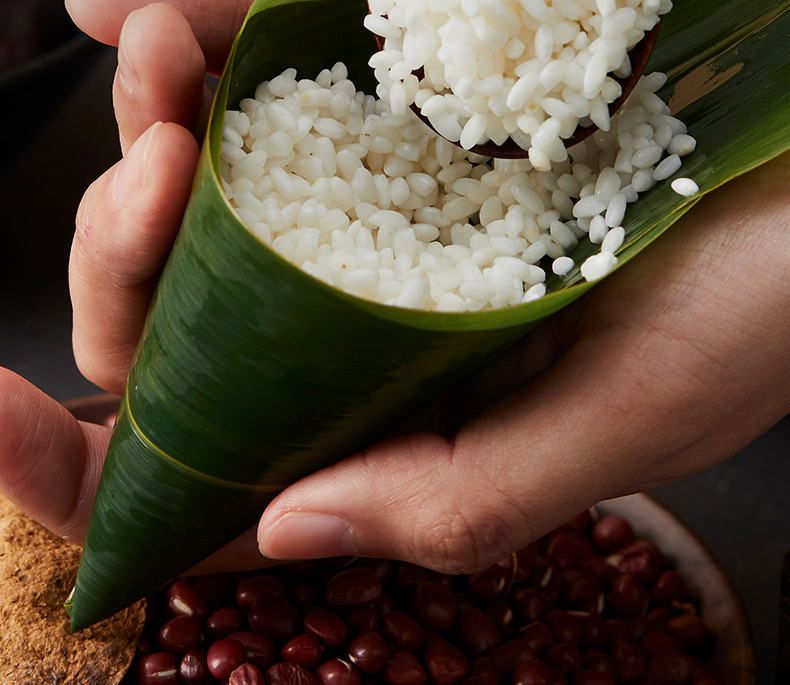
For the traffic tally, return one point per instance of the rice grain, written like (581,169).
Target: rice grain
(389,211)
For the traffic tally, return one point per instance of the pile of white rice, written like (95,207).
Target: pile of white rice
(529,70)
(376,204)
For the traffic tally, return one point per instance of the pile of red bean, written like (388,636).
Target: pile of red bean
(588,604)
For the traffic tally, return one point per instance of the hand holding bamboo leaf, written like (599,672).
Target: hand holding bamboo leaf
(554,424)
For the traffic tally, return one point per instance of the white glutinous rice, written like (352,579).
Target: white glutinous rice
(685,187)
(493,69)
(378,205)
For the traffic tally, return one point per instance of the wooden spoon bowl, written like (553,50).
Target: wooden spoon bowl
(639,56)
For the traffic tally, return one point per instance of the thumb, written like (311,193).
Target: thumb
(654,385)
(452,505)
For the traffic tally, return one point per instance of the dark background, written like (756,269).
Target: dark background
(740,508)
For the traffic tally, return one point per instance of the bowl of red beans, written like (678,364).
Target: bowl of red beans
(623,593)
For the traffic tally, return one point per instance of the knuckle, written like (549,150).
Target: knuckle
(105,369)
(468,540)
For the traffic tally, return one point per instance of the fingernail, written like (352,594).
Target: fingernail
(307,535)
(126,72)
(133,168)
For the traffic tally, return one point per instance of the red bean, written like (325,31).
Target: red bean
(225,621)
(326,626)
(145,645)
(433,605)
(594,617)
(528,604)
(658,643)
(180,634)
(407,575)
(224,656)
(619,631)
(628,595)
(251,590)
(476,630)
(337,672)
(352,587)
(305,595)
(261,650)
(446,580)
(562,551)
(404,669)
(181,599)
(445,664)
(592,678)
(538,636)
(600,662)
(402,631)
(502,615)
(481,672)
(246,674)
(361,619)
(558,678)
(584,549)
(521,563)
(640,626)
(546,578)
(600,570)
(579,587)
(193,670)
(369,652)
(692,631)
(157,668)
(631,663)
(533,672)
(275,617)
(289,674)
(643,559)
(565,657)
(581,523)
(565,626)
(383,568)
(508,655)
(670,587)
(612,532)
(385,604)
(305,649)
(658,618)
(490,583)
(594,634)
(671,669)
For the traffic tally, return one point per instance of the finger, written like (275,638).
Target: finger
(50,466)
(160,74)
(214,23)
(664,382)
(49,462)
(125,226)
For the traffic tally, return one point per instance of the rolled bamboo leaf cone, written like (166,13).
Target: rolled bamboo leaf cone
(250,373)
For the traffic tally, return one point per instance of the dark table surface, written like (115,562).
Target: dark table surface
(740,508)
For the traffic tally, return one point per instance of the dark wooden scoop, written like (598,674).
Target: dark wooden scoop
(639,56)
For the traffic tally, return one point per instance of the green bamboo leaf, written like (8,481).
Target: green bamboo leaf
(250,373)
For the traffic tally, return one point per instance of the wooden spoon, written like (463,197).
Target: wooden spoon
(638,55)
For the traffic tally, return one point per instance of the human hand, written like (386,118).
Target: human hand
(49,462)
(668,366)
(672,364)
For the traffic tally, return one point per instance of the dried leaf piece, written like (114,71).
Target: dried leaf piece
(37,570)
